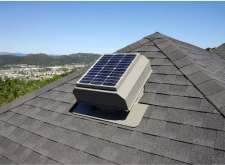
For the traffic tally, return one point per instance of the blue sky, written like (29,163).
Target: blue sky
(104,27)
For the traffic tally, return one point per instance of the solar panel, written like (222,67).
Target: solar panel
(108,70)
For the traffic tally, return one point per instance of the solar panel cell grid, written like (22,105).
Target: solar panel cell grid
(108,70)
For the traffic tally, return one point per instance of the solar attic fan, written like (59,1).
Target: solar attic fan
(114,83)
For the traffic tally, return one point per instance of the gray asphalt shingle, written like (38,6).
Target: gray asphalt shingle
(7,129)
(17,119)
(178,54)
(19,135)
(31,141)
(21,109)
(134,45)
(143,41)
(9,151)
(153,55)
(20,154)
(183,123)
(199,77)
(147,49)
(124,50)
(220,51)
(210,87)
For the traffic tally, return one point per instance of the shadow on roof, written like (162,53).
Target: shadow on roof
(93,111)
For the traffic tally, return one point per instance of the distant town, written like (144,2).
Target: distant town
(36,72)
(41,66)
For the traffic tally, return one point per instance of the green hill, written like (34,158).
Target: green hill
(11,89)
(45,60)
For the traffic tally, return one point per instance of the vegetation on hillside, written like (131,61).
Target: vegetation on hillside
(11,89)
(45,60)
(209,49)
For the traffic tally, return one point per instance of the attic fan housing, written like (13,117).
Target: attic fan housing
(115,82)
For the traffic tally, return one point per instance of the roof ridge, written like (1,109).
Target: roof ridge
(212,52)
(170,38)
(192,60)
(219,47)
(177,56)
(167,38)
(42,90)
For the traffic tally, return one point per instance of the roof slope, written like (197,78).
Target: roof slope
(220,51)
(184,123)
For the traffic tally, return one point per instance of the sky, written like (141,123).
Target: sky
(105,27)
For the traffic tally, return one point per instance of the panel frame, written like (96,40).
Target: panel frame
(105,87)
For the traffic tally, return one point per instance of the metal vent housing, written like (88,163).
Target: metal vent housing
(124,96)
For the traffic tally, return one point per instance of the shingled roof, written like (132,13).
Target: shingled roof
(220,51)
(184,123)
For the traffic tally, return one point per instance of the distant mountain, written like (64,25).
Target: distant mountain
(24,54)
(46,60)
(55,54)
(4,53)
(16,54)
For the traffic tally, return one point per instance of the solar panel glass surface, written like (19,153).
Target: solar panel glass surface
(108,70)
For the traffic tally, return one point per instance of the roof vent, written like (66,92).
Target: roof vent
(114,83)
